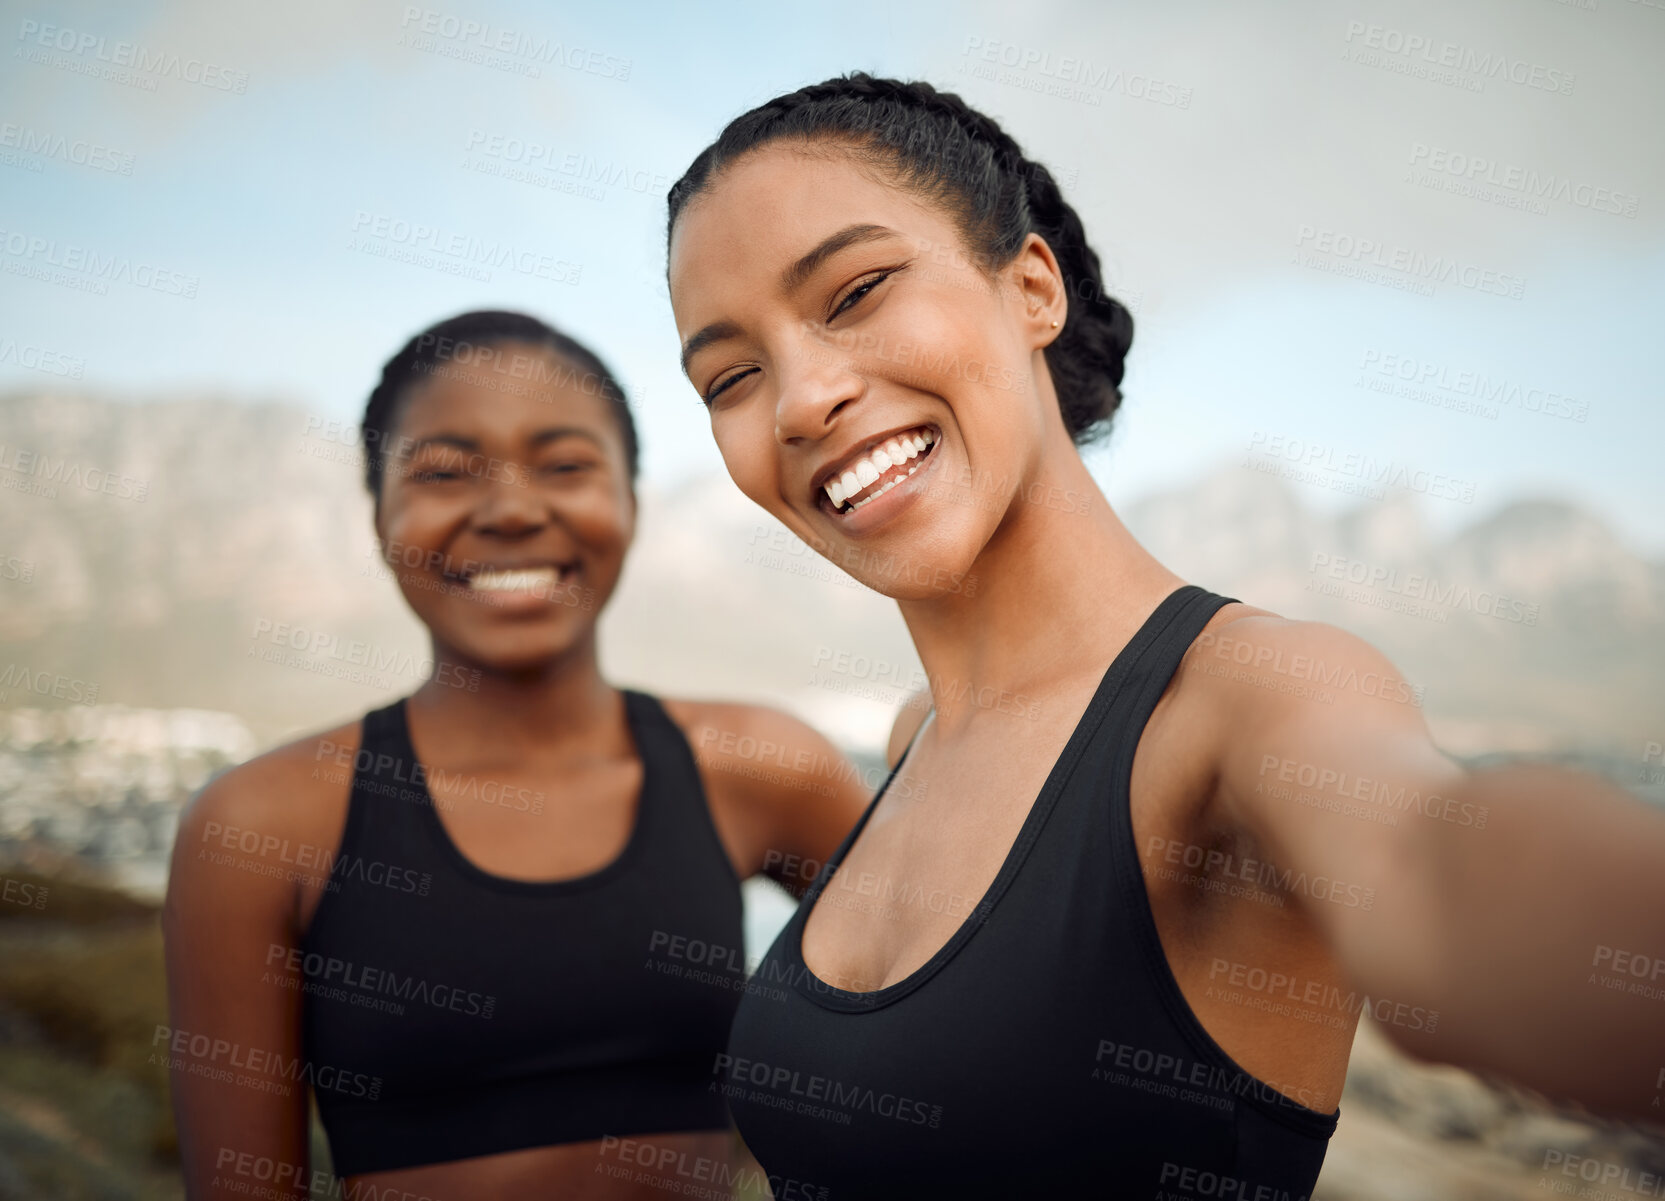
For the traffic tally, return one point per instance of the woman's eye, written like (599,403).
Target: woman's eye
(431,475)
(724,386)
(857,293)
(565,467)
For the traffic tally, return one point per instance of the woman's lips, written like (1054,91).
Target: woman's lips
(878,470)
(515,580)
(516,587)
(886,498)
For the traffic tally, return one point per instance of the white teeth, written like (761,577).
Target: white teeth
(889,484)
(879,460)
(525,579)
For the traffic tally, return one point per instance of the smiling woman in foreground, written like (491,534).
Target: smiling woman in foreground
(1209,838)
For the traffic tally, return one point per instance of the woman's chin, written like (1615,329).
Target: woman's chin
(904,579)
(526,655)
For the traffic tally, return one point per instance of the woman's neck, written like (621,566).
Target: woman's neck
(536,708)
(1058,591)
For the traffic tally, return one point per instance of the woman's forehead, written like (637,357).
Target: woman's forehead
(526,385)
(769,206)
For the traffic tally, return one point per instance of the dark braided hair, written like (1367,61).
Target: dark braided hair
(473,338)
(939,146)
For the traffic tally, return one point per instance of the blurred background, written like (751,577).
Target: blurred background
(1398,271)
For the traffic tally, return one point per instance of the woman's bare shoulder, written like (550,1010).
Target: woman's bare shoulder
(297,791)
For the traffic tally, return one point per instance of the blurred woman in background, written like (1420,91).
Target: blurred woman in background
(495,925)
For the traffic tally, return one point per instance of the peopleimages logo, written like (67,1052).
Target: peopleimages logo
(1200,1182)
(1323,458)
(321,645)
(1360,252)
(41,358)
(79,151)
(342,979)
(144,59)
(46,683)
(1478,169)
(24,893)
(1393,796)
(840,1097)
(1432,53)
(195,1052)
(1415,586)
(1488,393)
(102,269)
(459,253)
(581,168)
(484,37)
(1066,74)
(310,857)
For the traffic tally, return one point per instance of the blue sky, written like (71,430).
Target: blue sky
(1300,127)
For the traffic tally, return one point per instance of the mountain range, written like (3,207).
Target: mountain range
(152,549)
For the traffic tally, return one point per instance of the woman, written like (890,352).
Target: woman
(901,334)
(495,925)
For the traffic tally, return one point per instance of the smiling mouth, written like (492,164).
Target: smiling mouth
(880,468)
(520,579)
(503,582)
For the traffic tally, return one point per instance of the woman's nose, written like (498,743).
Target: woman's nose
(818,379)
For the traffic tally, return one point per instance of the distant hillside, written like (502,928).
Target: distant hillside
(1534,628)
(249,513)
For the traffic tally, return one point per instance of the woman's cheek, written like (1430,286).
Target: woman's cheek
(599,510)
(749,470)
(395,534)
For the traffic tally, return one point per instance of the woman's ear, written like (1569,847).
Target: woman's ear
(1039,289)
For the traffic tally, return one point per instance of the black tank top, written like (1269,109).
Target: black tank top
(450,1012)
(1046,1050)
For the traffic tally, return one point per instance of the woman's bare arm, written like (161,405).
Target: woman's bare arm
(784,794)
(249,846)
(1520,904)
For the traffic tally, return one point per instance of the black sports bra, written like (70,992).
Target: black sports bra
(1046,1050)
(450,1012)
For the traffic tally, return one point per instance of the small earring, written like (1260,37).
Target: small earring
(1054,325)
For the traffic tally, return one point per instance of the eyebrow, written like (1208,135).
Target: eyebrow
(542,438)
(456,440)
(851,235)
(791,280)
(717,331)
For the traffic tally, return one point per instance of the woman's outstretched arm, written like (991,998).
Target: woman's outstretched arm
(1523,905)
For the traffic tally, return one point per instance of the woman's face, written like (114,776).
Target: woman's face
(506,507)
(826,316)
